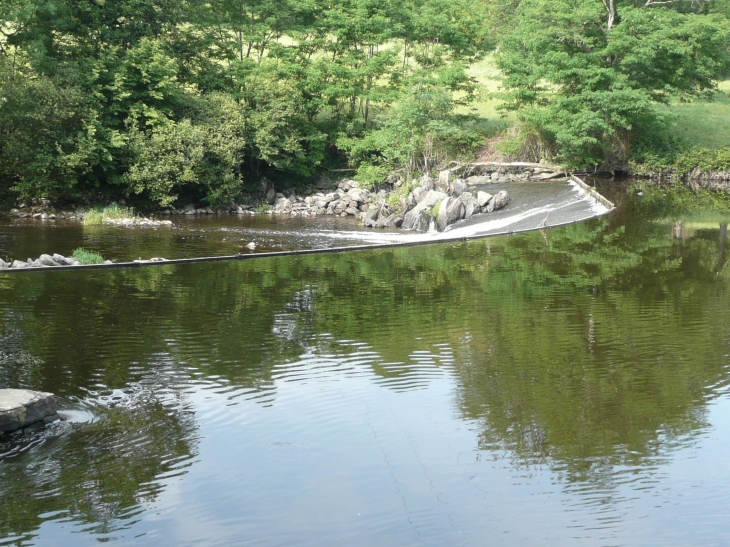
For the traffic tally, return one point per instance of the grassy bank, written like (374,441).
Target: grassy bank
(703,123)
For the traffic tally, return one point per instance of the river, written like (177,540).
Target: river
(563,387)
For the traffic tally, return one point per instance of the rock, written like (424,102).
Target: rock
(22,407)
(3,264)
(443,180)
(47,260)
(427,183)
(60,259)
(108,262)
(478,180)
(371,216)
(339,206)
(18,265)
(252,246)
(189,209)
(422,222)
(432,198)
(483,198)
(352,211)
(451,210)
(270,195)
(471,205)
(458,187)
(283,205)
(498,202)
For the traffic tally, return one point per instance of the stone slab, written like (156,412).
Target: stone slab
(20,408)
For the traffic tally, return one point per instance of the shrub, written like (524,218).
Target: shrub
(87,257)
(96,216)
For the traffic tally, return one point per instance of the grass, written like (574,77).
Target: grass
(704,123)
(485,106)
(87,257)
(95,216)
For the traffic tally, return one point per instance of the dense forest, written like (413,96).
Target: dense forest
(160,100)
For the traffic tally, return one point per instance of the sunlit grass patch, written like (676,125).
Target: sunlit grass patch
(87,257)
(704,123)
(96,216)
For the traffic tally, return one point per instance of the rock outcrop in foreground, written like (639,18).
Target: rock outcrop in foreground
(20,408)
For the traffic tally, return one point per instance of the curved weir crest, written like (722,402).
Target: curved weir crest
(534,206)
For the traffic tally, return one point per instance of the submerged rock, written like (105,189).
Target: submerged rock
(20,408)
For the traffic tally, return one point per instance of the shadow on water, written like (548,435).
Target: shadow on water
(592,350)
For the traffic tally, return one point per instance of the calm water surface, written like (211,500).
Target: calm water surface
(560,388)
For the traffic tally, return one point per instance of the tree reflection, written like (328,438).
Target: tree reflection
(584,347)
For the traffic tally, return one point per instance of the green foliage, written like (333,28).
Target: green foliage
(47,136)
(664,153)
(585,78)
(161,100)
(369,175)
(96,215)
(87,257)
(419,131)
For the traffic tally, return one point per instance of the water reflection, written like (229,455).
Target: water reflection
(397,384)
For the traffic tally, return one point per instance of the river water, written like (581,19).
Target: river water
(564,387)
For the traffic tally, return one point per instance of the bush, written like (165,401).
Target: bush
(87,257)
(95,216)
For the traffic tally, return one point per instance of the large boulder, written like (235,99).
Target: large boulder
(415,197)
(499,201)
(427,183)
(458,187)
(483,198)
(443,180)
(22,407)
(471,205)
(450,210)
(432,198)
(422,223)
(371,216)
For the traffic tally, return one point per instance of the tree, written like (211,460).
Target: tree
(585,74)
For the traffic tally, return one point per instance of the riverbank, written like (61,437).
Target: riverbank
(381,206)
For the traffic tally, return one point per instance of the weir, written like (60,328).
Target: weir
(534,206)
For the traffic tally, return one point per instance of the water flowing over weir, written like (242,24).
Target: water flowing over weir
(533,206)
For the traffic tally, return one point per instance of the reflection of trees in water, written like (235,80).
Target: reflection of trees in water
(98,474)
(591,350)
(606,364)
